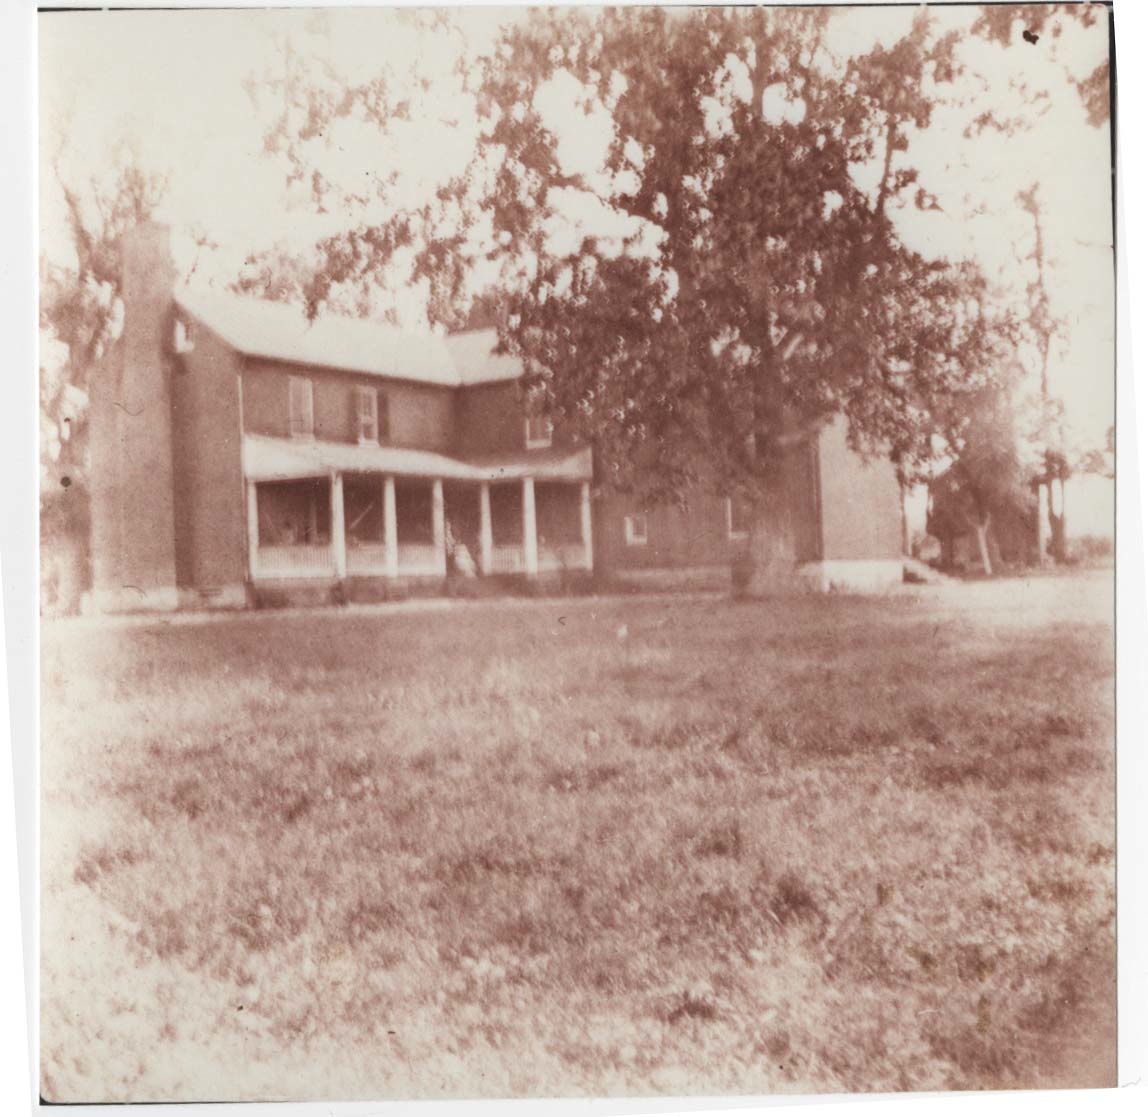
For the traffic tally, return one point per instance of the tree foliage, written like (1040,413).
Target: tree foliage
(80,311)
(1100,462)
(1027,24)
(988,487)
(736,284)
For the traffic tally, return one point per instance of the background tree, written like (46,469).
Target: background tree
(1040,32)
(80,311)
(1101,462)
(275,273)
(987,489)
(80,319)
(1049,434)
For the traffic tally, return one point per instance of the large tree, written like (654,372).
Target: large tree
(726,275)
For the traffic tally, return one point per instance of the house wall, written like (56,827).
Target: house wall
(694,536)
(490,419)
(860,502)
(210,508)
(698,535)
(840,508)
(418,415)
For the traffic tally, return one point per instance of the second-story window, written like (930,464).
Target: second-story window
(301,407)
(367,407)
(539,432)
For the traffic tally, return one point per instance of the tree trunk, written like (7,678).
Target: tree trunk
(995,551)
(1057,525)
(906,543)
(1057,539)
(983,547)
(1043,512)
(768,565)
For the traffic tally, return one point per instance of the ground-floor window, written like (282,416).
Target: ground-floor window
(737,518)
(636,529)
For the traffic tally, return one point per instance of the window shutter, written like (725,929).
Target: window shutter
(367,414)
(384,416)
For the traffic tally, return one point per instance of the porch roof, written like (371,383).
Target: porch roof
(286,459)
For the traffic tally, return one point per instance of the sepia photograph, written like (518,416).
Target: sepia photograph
(576,551)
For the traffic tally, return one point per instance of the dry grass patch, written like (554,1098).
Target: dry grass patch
(806,845)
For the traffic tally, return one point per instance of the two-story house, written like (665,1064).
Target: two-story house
(236,446)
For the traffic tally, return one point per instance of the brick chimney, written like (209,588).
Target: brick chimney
(130,432)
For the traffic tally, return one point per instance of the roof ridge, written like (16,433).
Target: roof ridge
(343,342)
(257,300)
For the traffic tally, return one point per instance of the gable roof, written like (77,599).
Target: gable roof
(281,332)
(475,358)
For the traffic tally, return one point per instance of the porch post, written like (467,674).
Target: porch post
(338,526)
(529,529)
(252,531)
(438,522)
(485,529)
(587,529)
(390,528)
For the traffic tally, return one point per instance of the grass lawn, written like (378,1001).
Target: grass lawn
(673,845)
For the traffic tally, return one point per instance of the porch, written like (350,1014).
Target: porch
(361,523)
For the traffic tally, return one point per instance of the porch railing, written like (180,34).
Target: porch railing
(507,559)
(366,558)
(561,556)
(317,560)
(553,557)
(419,558)
(296,560)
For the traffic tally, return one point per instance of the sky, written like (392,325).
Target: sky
(174,86)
